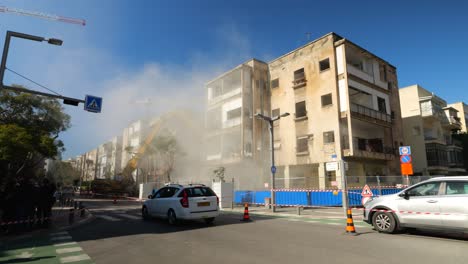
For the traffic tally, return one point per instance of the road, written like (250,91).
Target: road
(119,235)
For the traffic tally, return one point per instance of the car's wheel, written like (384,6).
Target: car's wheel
(171,217)
(209,220)
(384,222)
(144,213)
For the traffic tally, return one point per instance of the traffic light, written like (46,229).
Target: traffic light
(71,101)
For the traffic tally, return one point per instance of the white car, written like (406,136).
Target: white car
(439,203)
(178,202)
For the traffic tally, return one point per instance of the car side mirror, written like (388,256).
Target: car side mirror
(150,196)
(405,195)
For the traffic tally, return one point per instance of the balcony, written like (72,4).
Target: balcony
(299,80)
(232,122)
(452,122)
(360,73)
(368,148)
(370,115)
(436,156)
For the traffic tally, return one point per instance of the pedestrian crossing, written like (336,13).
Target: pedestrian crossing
(116,217)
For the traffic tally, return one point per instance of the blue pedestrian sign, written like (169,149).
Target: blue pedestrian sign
(405,150)
(93,104)
(273,169)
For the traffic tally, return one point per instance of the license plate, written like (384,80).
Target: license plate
(204,204)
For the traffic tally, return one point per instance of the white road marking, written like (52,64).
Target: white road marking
(24,255)
(294,220)
(65,244)
(74,258)
(109,218)
(60,238)
(133,217)
(68,250)
(334,224)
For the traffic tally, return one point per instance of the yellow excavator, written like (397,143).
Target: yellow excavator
(132,164)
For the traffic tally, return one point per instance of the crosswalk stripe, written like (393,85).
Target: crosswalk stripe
(65,244)
(68,250)
(109,218)
(74,258)
(133,217)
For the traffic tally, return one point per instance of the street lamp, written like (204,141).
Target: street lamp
(52,41)
(270,121)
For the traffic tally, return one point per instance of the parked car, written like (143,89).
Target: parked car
(439,203)
(176,202)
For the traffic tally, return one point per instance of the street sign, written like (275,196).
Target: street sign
(266,184)
(405,150)
(405,159)
(334,156)
(93,104)
(273,169)
(406,168)
(331,166)
(366,191)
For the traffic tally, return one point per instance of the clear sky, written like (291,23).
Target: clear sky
(166,50)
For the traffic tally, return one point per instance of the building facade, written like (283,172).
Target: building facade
(344,105)
(428,127)
(462,109)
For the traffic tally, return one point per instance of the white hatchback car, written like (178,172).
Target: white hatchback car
(439,203)
(178,202)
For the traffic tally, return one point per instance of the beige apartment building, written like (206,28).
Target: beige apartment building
(462,109)
(344,105)
(428,127)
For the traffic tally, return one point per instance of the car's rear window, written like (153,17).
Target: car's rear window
(198,192)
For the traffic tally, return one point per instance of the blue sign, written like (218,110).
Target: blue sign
(405,159)
(93,104)
(405,150)
(273,169)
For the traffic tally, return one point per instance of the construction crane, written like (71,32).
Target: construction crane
(22,12)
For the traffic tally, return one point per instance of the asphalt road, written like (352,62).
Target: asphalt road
(119,235)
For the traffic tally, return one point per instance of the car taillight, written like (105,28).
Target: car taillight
(184,201)
(217,200)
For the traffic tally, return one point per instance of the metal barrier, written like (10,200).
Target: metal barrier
(308,198)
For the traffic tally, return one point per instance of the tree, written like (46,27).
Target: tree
(165,149)
(29,128)
(63,173)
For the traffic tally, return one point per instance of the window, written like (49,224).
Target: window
(383,72)
(275,112)
(456,187)
(302,144)
(301,109)
(166,192)
(428,189)
(235,113)
(328,137)
(324,64)
(382,105)
(198,192)
(326,100)
(416,131)
(299,74)
(274,83)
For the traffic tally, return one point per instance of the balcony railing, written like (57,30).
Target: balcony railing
(367,149)
(299,80)
(366,112)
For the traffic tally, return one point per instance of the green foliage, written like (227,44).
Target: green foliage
(29,127)
(165,147)
(63,173)
(463,138)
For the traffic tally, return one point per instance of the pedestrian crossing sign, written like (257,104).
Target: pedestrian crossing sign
(93,104)
(366,191)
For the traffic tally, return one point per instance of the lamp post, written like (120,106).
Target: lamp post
(270,121)
(52,41)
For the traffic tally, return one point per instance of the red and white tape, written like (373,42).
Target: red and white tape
(38,219)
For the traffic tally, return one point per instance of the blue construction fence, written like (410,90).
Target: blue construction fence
(308,197)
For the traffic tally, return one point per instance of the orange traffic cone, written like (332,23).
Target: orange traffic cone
(349,223)
(246,217)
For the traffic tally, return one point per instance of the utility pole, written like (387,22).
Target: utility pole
(344,186)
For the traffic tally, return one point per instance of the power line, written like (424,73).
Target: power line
(50,90)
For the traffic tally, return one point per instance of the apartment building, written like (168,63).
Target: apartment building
(104,155)
(428,127)
(344,105)
(132,137)
(462,109)
(115,156)
(234,139)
